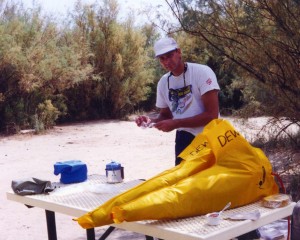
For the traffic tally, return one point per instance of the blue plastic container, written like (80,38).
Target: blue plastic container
(72,171)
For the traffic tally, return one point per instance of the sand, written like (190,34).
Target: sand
(142,152)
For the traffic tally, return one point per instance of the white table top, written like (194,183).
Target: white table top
(77,199)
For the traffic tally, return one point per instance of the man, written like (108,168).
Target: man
(187,96)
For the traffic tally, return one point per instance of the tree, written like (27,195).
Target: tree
(261,37)
(117,53)
(35,65)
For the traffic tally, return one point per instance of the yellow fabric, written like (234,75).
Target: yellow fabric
(198,162)
(218,166)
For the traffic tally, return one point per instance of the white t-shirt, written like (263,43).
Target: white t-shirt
(183,98)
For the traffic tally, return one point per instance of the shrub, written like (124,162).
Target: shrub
(46,115)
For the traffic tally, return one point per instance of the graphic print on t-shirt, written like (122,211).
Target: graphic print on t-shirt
(181,99)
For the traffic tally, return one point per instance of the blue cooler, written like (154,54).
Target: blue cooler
(73,171)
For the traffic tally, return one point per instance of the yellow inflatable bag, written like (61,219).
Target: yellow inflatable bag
(217,166)
(196,162)
(241,175)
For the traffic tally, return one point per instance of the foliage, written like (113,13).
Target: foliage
(116,52)
(45,116)
(150,32)
(93,67)
(36,63)
(97,67)
(260,37)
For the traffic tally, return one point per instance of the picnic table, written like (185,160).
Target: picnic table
(77,199)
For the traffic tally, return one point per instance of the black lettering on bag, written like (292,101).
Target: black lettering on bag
(227,137)
(261,182)
(199,148)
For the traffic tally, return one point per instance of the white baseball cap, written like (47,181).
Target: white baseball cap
(164,45)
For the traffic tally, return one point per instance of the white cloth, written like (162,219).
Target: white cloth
(201,78)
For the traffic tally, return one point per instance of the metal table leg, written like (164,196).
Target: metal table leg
(149,238)
(90,234)
(51,227)
(106,233)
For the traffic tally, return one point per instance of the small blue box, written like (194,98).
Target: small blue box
(72,171)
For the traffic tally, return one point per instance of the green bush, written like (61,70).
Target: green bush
(46,115)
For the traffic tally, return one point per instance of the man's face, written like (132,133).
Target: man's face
(170,60)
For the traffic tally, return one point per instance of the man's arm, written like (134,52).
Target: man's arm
(211,111)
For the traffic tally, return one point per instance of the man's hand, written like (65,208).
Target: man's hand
(166,125)
(143,121)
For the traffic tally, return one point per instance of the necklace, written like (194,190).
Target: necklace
(171,74)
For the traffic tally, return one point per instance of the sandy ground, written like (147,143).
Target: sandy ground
(142,152)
